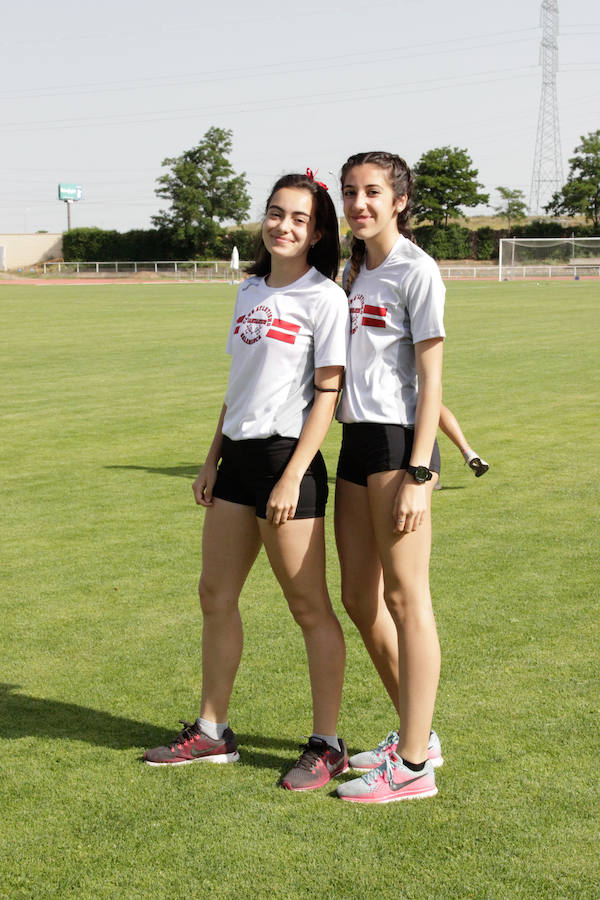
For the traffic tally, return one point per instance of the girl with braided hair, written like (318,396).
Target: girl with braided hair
(388,467)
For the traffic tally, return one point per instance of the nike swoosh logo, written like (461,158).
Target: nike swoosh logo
(403,784)
(207,752)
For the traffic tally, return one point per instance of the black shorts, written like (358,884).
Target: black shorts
(250,469)
(369,447)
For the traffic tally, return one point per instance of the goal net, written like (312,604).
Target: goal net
(575,257)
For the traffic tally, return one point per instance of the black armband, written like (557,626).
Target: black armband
(326,390)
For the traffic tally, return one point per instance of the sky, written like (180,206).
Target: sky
(100,95)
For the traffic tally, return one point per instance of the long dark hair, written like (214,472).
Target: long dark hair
(401,181)
(325,255)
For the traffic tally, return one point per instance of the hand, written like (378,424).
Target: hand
(283,501)
(410,506)
(204,484)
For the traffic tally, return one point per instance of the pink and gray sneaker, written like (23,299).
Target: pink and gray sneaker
(389,782)
(317,764)
(191,745)
(370,759)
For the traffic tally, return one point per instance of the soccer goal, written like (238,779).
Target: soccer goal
(575,257)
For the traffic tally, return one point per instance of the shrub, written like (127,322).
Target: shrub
(453,242)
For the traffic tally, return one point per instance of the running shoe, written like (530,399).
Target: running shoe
(191,745)
(476,464)
(317,764)
(370,759)
(390,781)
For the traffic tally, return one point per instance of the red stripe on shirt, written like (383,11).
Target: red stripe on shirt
(375,310)
(288,326)
(282,336)
(239,320)
(376,323)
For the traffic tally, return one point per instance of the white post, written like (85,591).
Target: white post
(500,260)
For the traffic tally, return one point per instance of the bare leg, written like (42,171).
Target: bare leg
(230,544)
(362,582)
(405,560)
(296,551)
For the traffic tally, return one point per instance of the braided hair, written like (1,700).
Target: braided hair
(401,181)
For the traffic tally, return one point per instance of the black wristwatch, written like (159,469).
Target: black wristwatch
(421,474)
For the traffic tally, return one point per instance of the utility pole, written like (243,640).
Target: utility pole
(547,174)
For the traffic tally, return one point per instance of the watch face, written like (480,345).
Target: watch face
(421,474)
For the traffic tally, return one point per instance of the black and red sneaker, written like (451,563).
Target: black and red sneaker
(317,764)
(192,745)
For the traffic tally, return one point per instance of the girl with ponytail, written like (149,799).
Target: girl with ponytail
(389,464)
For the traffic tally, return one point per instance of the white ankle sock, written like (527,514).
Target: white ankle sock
(331,739)
(213,729)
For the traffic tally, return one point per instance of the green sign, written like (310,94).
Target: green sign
(69,192)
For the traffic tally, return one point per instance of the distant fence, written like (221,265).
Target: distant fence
(197,270)
(510,273)
(203,270)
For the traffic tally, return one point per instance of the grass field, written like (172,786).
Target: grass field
(109,403)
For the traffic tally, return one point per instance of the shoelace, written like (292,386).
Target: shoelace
(385,770)
(387,742)
(190,730)
(311,755)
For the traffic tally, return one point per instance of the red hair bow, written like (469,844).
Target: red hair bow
(309,174)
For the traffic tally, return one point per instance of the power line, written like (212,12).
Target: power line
(409,51)
(165,115)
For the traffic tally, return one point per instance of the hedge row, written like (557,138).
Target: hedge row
(97,245)
(457,242)
(453,242)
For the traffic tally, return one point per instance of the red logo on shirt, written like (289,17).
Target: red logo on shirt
(259,321)
(356,307)
(255,324)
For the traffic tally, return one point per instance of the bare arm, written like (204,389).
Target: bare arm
(410,504)
(451,428)
(282,503)
(205,481)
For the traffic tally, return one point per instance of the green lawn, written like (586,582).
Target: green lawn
(109,403)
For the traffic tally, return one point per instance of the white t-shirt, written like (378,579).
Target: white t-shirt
(278,337)
(392,308)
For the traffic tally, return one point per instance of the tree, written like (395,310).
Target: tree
(204,191)
(581,194)
(514,207)
(445,181)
